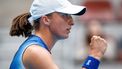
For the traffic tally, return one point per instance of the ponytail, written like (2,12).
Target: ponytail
(21,26)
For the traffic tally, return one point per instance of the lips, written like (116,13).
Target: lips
(68,30)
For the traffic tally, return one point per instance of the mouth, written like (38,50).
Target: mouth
(68,30)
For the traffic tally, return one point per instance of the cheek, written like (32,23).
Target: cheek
(58,28)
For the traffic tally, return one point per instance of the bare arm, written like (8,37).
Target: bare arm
(36,57)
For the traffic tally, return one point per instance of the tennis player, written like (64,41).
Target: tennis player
(47,22)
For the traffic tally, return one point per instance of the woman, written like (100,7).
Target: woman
(51,21)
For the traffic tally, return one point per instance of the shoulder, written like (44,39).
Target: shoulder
(37,50)
(37,57)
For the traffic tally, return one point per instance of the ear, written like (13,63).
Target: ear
(45,20)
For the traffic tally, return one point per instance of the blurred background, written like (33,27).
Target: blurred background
(103,18)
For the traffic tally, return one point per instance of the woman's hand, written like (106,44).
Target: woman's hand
(98,47)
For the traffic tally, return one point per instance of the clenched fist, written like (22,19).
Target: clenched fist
(98,47)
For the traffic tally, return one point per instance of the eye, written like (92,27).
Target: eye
(65,15)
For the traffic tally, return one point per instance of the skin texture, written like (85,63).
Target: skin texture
(97,47)
(51,29)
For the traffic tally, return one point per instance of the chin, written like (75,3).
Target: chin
(65,37)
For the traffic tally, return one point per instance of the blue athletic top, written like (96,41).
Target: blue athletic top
(32,40)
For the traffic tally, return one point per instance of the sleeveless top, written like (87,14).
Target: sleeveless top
(32,40)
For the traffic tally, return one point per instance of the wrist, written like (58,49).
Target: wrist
(97,55)
(91,63)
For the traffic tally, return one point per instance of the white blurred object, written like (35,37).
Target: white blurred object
(110,53)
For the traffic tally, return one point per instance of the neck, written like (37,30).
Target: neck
(48,39)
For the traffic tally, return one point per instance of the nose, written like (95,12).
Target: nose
(70,21)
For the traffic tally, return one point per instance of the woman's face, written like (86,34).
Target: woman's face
(60,25)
